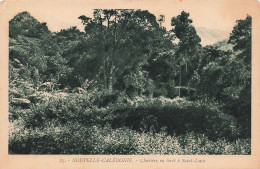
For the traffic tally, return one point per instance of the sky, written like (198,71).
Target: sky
(210,14)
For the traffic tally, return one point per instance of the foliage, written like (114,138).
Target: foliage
(35,55)
(24,24)
(78,139)
(241,39)
(128,86)
(141,114)
(188,47)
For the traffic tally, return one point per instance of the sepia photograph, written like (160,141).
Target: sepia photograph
(130,80)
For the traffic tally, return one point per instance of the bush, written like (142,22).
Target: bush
(73,108)
(178,115)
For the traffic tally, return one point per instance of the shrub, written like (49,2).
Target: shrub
(178,115)
(73,108)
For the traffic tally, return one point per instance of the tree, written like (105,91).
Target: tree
(225,76)
(121,40)
(34,52)
(24,24)
(74,48)
(241,39)
(188,46)
(212,66)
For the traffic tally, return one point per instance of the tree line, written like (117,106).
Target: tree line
(129,51)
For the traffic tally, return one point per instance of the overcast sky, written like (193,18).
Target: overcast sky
(211,14)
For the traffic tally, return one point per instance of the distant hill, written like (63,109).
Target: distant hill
(223,45)
(211,36)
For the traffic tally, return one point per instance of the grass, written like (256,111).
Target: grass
(77,139)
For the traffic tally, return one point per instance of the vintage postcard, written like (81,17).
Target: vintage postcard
(129,84)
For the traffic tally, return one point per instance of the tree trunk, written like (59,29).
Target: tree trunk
(105,74)
(180,85)
(188,88)
(110,85)
(111,72)
(105,63)
(110,81)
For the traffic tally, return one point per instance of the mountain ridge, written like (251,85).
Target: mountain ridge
(211,36)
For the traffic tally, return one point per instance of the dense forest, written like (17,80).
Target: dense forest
(128,85)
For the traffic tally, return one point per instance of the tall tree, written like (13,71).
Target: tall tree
(121,40)
(74,48)
(241,39)
(188,46)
